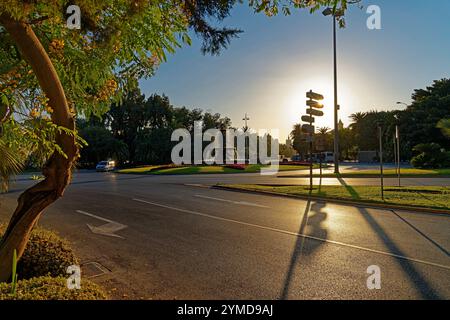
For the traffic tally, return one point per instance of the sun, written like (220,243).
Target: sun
(295,102)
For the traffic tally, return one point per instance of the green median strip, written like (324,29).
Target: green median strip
(421,196)
(204,169)
(405,173)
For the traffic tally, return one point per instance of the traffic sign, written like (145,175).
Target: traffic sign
(314,104)
(308,119)
(306,128)
(314,112)
(314,96)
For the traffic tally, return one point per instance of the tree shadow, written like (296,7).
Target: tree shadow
(419,281)
(313,218)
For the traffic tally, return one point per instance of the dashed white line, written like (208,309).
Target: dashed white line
(243,203)
(294,234)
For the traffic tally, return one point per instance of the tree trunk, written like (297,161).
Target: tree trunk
(57,170)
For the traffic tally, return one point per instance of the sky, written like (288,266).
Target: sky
(268,69)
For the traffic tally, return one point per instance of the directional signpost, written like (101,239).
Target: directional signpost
(314,112)
(308,128)
(308,119)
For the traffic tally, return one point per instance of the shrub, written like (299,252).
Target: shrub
(236,166)
(430,155)
(46,254)
(48,288)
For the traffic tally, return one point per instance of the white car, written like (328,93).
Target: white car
(105,166)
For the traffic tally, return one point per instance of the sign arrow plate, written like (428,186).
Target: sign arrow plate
(314,112)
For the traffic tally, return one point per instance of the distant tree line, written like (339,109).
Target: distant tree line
(424,130)
(138,130)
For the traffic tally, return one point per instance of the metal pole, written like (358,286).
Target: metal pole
(310,155)
(395,153)
(381,162)
(336,123)
(397,135)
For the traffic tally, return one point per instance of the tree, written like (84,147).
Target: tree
(418,123)
(430,155)
(76,71)
(101,145)
(298,140)
(444,125)
(9,165)
(53,74)
(126,118)
(286,150)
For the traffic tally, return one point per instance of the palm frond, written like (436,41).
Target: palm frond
(9,166)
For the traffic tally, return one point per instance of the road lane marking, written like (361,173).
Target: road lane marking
(198,185)
(244,203)
(107,229)
(294,234)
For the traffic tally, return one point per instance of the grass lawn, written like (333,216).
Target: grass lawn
(407,172)
(429,197)
(205,169)
(138,170)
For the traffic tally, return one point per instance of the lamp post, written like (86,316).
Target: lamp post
(380,136)
(397,137)
(397,145)
(332,12)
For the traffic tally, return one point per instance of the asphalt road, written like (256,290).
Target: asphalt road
(175,238)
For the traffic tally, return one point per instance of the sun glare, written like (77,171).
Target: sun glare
(295,103)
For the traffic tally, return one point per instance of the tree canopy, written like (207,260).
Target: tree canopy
(51,74)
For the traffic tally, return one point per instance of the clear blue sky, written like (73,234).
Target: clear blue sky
(267,70)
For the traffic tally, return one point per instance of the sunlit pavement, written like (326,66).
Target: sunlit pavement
(180,239)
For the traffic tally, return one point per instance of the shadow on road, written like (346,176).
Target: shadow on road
(437,245)
(350,189)
(416,278)
(313,218)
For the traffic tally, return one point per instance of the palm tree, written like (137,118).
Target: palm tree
(323,130)
(357,117)
(9,166)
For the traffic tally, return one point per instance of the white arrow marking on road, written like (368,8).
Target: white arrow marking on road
(244,203)
(107,229)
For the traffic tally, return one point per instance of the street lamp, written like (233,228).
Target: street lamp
(332,12)
(380,142)
(397,137)
(397,142)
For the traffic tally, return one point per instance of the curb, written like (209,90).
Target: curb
(339,201)
(344,176)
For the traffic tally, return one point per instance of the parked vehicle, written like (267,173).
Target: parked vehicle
(327,157)
(105,166)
